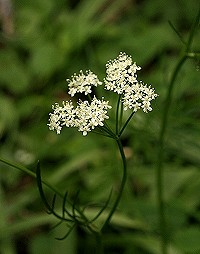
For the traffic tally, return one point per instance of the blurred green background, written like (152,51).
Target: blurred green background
(43,42)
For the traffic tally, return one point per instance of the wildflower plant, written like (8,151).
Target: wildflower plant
(121,78)
(92,115)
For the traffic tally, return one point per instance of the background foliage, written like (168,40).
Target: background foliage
(50,41)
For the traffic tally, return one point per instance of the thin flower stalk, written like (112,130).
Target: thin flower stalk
(122,185)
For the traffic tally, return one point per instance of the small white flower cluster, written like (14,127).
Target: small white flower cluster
(121,73)
(82,83)
(62,115)
(122,79)
(138,96)
(90,115)
(86,116)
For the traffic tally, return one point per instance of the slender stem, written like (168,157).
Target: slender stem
(31,173)
(117,114)
(104,131)
(121,116)
(164,120)
(99,243)
(126,123)
(124,177)
(177,32)
(192,32)
(159,169)
(89,97)
(102,134)
(108,129)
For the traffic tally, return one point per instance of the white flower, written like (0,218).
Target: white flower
(90,115)
(138,96)
(61,116)
(121,72)
(122,79)
(82,83)
(86,116)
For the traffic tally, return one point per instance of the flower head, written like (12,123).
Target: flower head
(62,115)
(82,83)
(90,115)
(121,72)
(138,96)
(86,116)
(122,79)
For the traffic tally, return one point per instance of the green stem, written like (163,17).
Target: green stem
(121,115)
(164,120)
(159,169)
(117,114)
(31,173)
(99,243)
(126,123)
(193,29)
(107,128)
(124,177)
